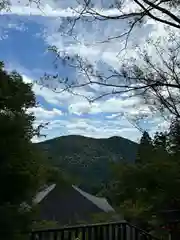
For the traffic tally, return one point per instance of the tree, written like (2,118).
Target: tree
(145,149)
(3,4)
(161,144)
(162,11)
(174,136)
(154,80)
(158,10)
(6,4)
(155,188)
(141,191)
(20,171)
(156,84)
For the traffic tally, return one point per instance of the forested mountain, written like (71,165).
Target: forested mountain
(88,160)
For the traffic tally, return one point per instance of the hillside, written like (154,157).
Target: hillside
(88,160)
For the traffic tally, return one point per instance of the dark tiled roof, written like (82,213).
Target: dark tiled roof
(68,205)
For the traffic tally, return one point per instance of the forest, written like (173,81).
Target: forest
(140,180)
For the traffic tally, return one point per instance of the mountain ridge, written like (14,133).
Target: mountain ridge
(75,135)
(88,159)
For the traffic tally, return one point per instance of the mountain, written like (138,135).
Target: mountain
(88,160)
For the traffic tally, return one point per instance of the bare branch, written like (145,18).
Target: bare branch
(159,19)
(163,10)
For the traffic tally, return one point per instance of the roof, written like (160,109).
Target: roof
(42,194)
(101,203)
(68,205)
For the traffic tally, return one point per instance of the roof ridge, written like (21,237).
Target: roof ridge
(100,202)
(42,194)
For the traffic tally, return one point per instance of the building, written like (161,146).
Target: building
(69,205)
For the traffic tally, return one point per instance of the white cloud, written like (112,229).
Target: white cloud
(80,108)
(100,126)
(48,94)
(90,128)
(88,34)
(132,106)
(112,116)
(64,8)
(115,124)
(46,11)
(159,124)
(102,129)
(44,114)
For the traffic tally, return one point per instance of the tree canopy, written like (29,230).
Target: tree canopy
(20,162)
(142,190)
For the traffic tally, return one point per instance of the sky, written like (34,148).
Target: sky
(26,32)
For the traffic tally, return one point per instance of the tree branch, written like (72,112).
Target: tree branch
(163,10)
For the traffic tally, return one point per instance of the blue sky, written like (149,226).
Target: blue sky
(26,33)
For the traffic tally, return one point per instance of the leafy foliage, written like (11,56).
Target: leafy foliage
(144,148)
(143,190)
(45,225)
(21,170)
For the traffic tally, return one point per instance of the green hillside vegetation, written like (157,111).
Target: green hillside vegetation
(88,160)
(143,190)
(22,168)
